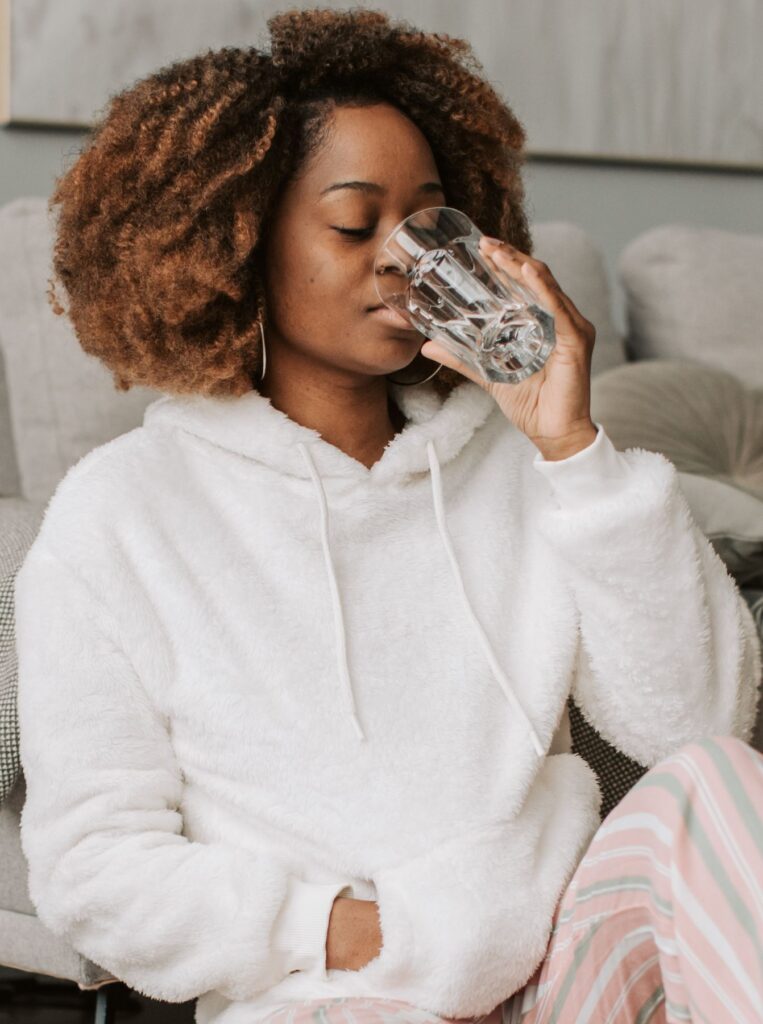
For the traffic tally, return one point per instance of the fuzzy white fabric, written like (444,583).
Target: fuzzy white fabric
(254,673)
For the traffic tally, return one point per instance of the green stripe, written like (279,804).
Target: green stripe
(578,956)
(654,1000)
(624,883)
(667,781)
(678,1010)
(749,814)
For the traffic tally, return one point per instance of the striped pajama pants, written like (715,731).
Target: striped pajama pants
(661,921)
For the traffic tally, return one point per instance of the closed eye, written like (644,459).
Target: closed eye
(356,232)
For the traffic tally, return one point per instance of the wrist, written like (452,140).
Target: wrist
(354,934)
(555,449)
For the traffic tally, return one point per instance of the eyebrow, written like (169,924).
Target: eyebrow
(372,186)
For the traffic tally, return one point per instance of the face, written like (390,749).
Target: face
(324,235)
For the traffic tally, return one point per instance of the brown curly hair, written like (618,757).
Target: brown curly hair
(161,215)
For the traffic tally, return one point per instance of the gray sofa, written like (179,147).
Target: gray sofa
(688,314)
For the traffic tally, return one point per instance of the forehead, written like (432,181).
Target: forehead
(370,143)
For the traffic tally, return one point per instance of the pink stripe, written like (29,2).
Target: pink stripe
(695,770)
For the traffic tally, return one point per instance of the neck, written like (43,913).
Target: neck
(359,420)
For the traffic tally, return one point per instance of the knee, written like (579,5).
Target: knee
(713,755)
(721,764)
(731,746)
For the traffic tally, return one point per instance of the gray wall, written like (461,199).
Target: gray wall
(614,203)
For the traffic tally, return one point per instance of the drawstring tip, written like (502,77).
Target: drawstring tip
(358,728)
(537,744)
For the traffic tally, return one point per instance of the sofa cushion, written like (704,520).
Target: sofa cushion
(710,426)
(733,520)
(695,292)
(578,265)
(62,401)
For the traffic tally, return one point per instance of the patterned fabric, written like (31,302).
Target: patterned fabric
(616,772)
(662,919)
(19,522)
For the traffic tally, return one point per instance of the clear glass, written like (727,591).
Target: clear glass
(431,271)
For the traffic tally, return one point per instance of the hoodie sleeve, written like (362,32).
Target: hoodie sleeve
(668,651)
(109,869)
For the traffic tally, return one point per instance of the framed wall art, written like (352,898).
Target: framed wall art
(656,81)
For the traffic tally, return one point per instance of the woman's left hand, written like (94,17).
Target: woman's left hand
(553,405)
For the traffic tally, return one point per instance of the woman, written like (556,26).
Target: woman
(294,654)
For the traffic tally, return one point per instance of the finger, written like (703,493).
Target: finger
(539,278)
(506,255)
(514,260)
(549,291)
(546,286)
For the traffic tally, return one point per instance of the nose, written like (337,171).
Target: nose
(389,277)
(386,266)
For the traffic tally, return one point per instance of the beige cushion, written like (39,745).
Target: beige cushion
(63,402)
(706,421)
(578,265)
(696,293)
(711,427)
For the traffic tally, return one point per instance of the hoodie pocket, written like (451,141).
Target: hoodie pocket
(465,924)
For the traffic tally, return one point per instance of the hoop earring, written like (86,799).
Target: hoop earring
(407,382)
(264,352)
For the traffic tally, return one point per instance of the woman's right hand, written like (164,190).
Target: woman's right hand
(354,934)
(465,922)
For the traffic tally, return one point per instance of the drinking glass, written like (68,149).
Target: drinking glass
(430,270)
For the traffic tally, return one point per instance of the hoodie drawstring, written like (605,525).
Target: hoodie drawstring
(341,646)
(336,604)
(498,674)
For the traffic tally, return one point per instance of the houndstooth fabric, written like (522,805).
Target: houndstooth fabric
(19,523)
(616,772)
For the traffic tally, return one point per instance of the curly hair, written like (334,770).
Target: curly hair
(161,216)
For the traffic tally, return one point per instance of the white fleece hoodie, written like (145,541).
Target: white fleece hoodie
(254,673)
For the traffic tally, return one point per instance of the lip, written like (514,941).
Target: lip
(392,317)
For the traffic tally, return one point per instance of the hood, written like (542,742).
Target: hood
(436,431)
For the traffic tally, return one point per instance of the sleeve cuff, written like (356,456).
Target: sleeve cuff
(300,930)
(589,475)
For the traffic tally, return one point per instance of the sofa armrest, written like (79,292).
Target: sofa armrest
(20,520)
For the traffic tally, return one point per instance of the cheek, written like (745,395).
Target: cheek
(315,285)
